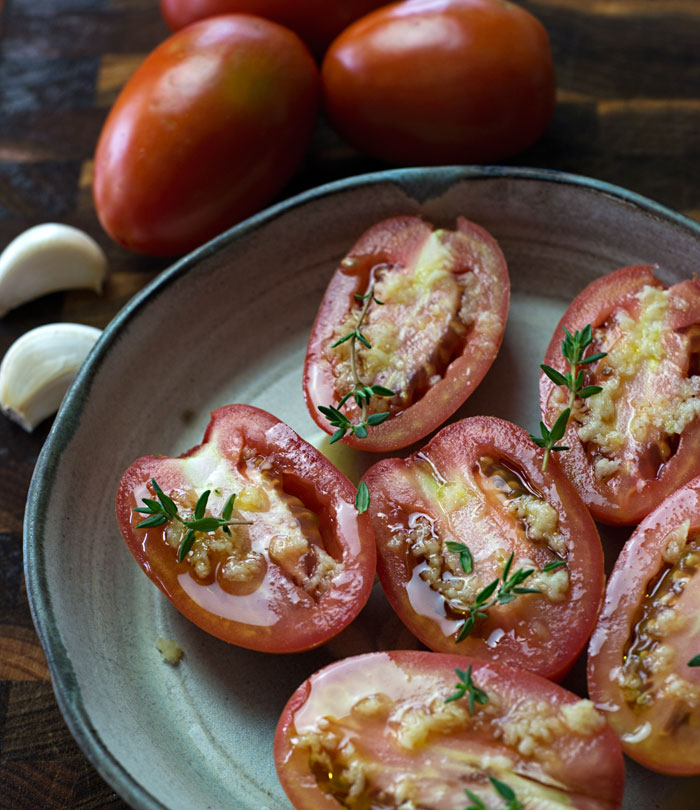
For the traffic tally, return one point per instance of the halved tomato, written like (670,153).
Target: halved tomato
(647,633)
(283,566)
(481,553)
(410,323)
(638,440)
(392,730)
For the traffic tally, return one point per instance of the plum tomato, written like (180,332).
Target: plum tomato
(419,730)
(282,567)
(205,133)
(647,634)
(481,553)
(441,81)
(317,22)
(635,442)
(410,323)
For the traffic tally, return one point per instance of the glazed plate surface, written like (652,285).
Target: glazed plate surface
(229,323)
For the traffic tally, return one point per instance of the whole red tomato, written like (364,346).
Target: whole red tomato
(317,22)
(206,132)
(441,81)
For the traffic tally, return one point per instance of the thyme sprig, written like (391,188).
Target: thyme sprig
(499,592)
(165,509)
(504,791)
(466,686)
(573,348)
(361,393)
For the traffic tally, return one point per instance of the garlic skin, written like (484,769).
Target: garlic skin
(47,258)
(38,368)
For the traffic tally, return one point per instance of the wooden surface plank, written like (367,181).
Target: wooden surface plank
(628,113)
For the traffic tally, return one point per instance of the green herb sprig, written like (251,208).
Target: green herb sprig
(694,661)
(499,592)
(573,348)
(165,509)
(361,393)
(466,686)
(504,791)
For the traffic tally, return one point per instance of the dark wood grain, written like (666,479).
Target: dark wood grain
(628,113)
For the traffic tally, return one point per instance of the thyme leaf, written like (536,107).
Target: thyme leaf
(362,497)
(694,661)
(466,686)
(504,791)
(465,556)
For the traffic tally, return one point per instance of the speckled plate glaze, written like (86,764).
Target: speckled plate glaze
(229,323)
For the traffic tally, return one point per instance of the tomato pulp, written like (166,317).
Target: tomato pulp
(294,568)
(638,440)
(385,730)
(431,306)
(472,508)
(206,132)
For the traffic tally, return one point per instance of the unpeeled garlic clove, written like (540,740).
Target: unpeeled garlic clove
(48,258)
(38,368)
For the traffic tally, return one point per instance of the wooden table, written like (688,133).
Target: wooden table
(628,113)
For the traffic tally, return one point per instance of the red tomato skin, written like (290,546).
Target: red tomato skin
(591,764)
(428,82)
(400,240)
(631,503)
(316,22)
(638,563)
(306,474)
(459,447)
(206,132)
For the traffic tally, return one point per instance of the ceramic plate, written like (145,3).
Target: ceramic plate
(229,323)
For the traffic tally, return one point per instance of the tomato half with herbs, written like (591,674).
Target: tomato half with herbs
(481,553)
(646,636)
(396,730)
(206,132)
(409,325)
(441,81)
(284,567)
(635,442)
(317,22)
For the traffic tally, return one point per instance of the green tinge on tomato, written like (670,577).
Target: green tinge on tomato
(454,81)
(206,132)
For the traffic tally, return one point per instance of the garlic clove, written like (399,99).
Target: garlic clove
(47,258)
(38,368)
